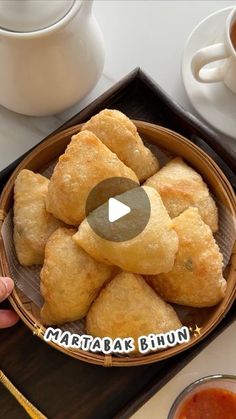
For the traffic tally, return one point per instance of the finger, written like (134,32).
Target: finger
(8,318)
(6,287)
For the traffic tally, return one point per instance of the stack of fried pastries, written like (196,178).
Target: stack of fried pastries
(123,289)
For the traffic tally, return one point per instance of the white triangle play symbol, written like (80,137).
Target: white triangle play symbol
(116,210)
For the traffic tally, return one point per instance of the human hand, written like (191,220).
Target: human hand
(7,317)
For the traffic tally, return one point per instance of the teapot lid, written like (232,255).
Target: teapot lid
(32,15)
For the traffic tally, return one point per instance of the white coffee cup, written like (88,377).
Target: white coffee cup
(224,70)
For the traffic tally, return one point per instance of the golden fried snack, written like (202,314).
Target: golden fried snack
(196,279)
(150,252)
(85,163)
(128,307)
(33,225)
(120,135)
(70,279)
(180,187)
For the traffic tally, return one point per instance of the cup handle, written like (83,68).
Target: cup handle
(205,56)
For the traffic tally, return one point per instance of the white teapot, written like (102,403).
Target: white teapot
(51,54)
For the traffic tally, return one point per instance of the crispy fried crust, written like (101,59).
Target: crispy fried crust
(32,223)
(85,163)
(70,279)
(196,279)
(180,187)
(120,135)
(152,251)
(128,307)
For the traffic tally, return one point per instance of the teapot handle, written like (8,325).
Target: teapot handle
(86,6)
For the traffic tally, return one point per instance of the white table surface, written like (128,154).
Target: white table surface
(152,35)
(216,358)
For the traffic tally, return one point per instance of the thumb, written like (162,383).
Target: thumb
(6,287)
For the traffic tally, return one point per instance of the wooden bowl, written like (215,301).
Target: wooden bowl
(176,144)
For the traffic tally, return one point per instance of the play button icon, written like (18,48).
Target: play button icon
(118,209)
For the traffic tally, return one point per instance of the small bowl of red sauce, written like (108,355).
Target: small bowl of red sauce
(212,397)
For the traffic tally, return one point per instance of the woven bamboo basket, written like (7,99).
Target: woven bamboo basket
(42,156)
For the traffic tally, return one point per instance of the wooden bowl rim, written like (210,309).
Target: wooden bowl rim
(110,360)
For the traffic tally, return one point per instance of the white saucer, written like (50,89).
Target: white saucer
(214,102)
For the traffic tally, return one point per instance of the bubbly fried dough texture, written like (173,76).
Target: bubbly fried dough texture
(196,279)
(70,279)
(180,187)
(33,225)
(128,307)
(150,252)
(120,135)
(85,163)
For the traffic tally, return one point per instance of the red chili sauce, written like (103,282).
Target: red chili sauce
(211,403)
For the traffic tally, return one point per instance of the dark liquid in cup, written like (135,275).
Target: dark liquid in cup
(233,35)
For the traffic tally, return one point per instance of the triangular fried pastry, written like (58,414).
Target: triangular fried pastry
(33,225)
(85,163)
(196,279)
(128,307)
(180,187)
(70,279)
(120,135)
(150,252)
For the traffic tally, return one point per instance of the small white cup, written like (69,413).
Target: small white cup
(223,71)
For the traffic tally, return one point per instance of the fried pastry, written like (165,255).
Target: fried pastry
(33,225)
(128,307)
(120,135)
(85,163)
(196,279)
(150,252)
(180,187)
(70,279)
